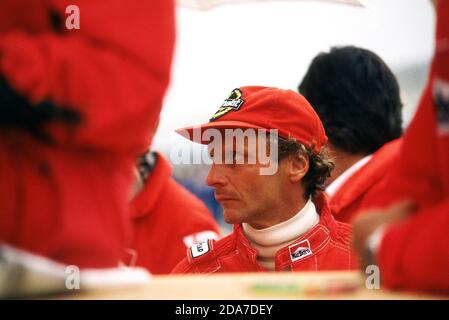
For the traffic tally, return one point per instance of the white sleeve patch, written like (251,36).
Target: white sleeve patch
(200,249)
(198,237)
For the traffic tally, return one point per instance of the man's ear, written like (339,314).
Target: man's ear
(297,167)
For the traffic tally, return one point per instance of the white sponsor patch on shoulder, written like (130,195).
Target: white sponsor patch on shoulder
(300,250)
(199,249)
(198,237)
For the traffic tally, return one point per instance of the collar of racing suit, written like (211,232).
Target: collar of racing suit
(304,247)
(146,199)
(269,240)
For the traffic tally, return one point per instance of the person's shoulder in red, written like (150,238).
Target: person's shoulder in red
(324,247)
(352,195)
(167,219)
(66,155)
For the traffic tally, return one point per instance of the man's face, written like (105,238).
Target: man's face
(244,194)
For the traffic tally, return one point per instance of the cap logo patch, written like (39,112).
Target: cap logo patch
(300,250)
(200,249)
(232,103)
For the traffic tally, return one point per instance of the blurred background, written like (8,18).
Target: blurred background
(272,43)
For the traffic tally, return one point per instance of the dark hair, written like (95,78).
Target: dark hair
(357,98)
(320,166)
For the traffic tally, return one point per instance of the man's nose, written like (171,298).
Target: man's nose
(215,176)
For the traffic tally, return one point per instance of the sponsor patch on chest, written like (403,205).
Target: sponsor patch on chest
(300,250)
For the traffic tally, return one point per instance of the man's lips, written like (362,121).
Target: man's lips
(221,198)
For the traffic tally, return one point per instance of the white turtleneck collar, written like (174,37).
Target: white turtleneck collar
(270,240)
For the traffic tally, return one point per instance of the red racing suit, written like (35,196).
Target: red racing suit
(350,197)
(167,219)
(68,199)
(324,247)
(414,254)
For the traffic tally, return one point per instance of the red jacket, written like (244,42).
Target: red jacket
(350,198)
(167,219)
(114,70)
(68,200)
(324,247)
(414,254)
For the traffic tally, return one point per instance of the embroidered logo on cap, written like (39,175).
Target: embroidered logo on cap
(232,103)
(199,249)
(300,250)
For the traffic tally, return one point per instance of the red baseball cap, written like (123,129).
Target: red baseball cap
(267,108)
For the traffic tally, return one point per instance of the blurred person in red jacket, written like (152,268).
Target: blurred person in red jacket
(166,218)
(281,218)
(406,232)
(357,98)
(77,107)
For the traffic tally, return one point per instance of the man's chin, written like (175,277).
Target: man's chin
(231,217)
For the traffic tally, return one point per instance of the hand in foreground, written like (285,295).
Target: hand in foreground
(371,224)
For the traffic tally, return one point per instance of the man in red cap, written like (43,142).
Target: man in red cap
(281,217)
